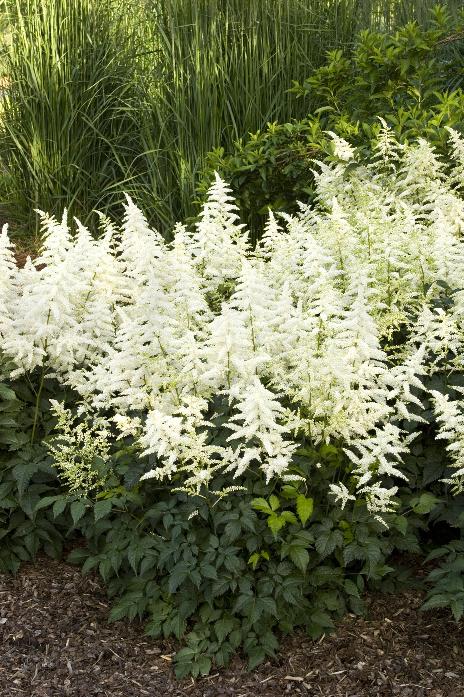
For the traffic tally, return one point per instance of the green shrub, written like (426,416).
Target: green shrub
(410,77)
(222,69)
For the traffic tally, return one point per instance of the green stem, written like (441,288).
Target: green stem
(37,404)
(39,392)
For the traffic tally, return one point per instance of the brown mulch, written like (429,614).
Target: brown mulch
(55,641)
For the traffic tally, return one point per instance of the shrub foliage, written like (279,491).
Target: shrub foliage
(413,77)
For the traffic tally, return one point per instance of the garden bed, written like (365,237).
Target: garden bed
(55,641)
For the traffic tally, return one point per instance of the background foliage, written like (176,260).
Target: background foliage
(412,78)
(111,96)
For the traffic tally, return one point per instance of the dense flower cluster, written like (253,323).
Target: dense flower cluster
(325,331)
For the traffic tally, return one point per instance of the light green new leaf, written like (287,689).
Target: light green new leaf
(304,508)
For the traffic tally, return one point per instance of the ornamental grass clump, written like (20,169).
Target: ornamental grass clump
(212,358)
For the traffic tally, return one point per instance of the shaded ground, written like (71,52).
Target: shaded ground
(55,641)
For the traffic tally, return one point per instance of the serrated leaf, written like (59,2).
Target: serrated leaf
(204,664)
(45,502)
(134,555)
(208,571)
(77,510)
(288,517)
(102,508)
(327,540)
(177,626)
(289,492)
(425,503)
(401,522)
(436,600)
(104,569)
(304,508)
(357,605)
(59,506)
(274,502)
(262,505)
(6,393)
(254,559)
(351,588)
(299,556)
(457,608)
(177,576)
(89,564)
(233,530)
(256,655)
(23,474)
(77,556)
(436,553)
(267,605)
(276,523)
(223,628)
(322,619)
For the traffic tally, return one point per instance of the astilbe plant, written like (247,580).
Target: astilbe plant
(323,333)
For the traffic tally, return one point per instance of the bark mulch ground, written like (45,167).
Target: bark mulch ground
(55,641)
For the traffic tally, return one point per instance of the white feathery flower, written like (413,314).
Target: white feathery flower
(341,493)
(457,151)
(8,278)
(342,149)
(379,500)
(450,416)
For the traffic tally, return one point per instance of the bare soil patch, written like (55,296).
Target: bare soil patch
(55,641)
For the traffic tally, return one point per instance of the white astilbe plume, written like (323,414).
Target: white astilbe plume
(404,384)
(56,239)
(264,310)
(139,245)
(387,150)
(229,354)
(327,331)
(341,494)
(441,333)
(422,173)
(379,500)
(219,242)
(378,454)
(342,149)
(272,236)
(8,276)
(330,182)
(43,325)
(79,450)
(180,443)
(457,151)
(450,416)
(256,423)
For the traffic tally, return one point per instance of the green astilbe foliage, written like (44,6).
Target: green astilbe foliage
(412,77)
(446,581)
(26,476)
(219,576)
